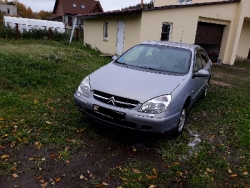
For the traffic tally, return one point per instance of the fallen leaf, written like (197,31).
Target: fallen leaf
(14,168)
(245,173)
(40,169)
(5,157)
(20,140)
(209,170)
(48,122)
(151,177)
(38,145)
(15,176)
(105,184)
(230,171)
(152,186)
(136,171)
(81,177)
(15,186)
(154,171)
(123,179)
(233,175)
(39,177)
(2,147)
(36,101)
(52,155)
(176,163)
(1,119)
(99,185)
(134,149)
(58,179)
(13,144)
(44,184)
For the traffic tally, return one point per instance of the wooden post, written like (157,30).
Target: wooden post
(50,34)
(17,31)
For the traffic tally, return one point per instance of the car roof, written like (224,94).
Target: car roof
(172,44)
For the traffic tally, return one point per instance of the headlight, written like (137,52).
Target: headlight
(84,87)
(156,105)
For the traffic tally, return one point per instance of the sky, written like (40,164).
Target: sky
(48,5)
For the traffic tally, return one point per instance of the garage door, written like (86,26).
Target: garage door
(208,33)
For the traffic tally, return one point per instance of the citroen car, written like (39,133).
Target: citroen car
(151,87)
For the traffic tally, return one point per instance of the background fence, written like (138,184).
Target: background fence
(17,31)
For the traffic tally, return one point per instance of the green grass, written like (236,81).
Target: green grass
(37,82)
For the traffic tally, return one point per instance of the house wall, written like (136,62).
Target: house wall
(12,9)
(159,3)
(185,24)
(244,44)
(93,32)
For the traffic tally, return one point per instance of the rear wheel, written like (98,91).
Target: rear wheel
(182,121)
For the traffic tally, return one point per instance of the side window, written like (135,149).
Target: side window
(198,62)
(166,31)
(204,58)
(105,31)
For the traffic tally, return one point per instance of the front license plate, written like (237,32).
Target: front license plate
(108,113)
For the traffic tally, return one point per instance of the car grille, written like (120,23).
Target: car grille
(115,100)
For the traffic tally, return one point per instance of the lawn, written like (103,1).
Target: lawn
(45,141)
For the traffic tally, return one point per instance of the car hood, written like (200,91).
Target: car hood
(133,83)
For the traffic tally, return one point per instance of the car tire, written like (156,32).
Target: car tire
(182,121)
(204,94)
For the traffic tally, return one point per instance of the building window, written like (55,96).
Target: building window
(105,31)
(166,31)
(248,57)
(181,2)
(8,11)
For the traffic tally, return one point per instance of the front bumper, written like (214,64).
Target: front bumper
(157,123)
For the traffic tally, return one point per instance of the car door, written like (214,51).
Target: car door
(198,82)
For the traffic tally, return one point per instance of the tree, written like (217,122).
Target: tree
(145,5)
(43,15)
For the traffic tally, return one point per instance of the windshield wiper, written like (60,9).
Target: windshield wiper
(120,63)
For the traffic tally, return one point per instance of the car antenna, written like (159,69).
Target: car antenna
(182,36)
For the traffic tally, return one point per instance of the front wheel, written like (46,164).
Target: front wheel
(204,94)
(182,121)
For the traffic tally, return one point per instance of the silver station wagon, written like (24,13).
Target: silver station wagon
(150,87)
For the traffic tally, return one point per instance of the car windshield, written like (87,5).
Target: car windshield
(156,57)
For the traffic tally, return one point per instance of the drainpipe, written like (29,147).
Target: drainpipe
(141,3)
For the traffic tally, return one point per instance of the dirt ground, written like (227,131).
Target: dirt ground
(85,167)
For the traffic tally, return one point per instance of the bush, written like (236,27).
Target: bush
(8,32)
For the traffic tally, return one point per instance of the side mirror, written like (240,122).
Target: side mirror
(114,57)
(202,73)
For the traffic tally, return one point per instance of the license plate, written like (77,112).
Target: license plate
(108,113)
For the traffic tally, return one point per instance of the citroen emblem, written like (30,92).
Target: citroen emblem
(111,100)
